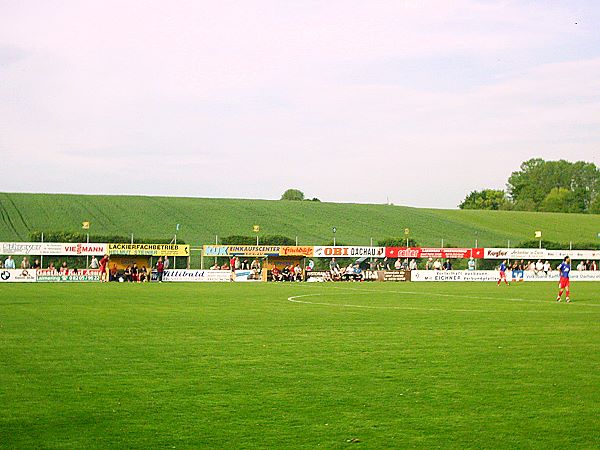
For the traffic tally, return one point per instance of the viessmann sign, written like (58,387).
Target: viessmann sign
(52,249)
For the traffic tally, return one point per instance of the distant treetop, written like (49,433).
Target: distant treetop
(293,194)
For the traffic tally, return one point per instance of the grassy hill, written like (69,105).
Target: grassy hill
(201,219)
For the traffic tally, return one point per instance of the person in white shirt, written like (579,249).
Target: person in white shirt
(471,264)
(9,263)
(94,263)
(547,267)
(581,266)
(437,265)
(539,267)
(398,264)
(412,265)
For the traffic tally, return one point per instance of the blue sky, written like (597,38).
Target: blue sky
(352,101)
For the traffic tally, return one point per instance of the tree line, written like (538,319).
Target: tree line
(548,186)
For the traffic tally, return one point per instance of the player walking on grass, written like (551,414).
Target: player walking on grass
(502,270)
(103,270)
(563,285)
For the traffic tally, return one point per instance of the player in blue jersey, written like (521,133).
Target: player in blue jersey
(563,285)
(502,270)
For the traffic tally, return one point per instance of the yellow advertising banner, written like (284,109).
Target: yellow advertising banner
(149,249)
(292,250)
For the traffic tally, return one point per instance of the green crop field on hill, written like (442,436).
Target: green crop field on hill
(202,219)
(427,365)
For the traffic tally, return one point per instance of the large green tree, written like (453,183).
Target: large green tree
(530,186)
(559,200)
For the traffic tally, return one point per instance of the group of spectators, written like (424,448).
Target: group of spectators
(287,273)
(544,267)
(236,263)
(26,264)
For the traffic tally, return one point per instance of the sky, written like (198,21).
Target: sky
(415,102)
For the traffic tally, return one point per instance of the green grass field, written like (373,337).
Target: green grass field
(201,219)
(354,365)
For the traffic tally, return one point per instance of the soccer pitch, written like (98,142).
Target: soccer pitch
(299,366)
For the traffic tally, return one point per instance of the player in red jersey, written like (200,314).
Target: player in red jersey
(502,270)
(564,284)
(103,271)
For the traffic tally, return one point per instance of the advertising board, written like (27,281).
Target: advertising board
(349,252)
(17,276)
(52,249)
(66,276)
(424,252)
(178,275)
(209,276)
(492,275)
(257,251)
(149,249)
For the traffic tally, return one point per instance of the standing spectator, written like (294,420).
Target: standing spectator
(36,264)
(25,263)
(547,267)
(437,265)
(238,264)
(310,266)
(64,267)
(581,266)
(166,262)
(9,263)
(588,265)
(135,273)
(51,266)
(94,263)
(539,267)
(471,264)
(429,264)
(160,268)
(334,267)
(412,265)
(1,264)
(127,274)
(398,264)
(594,266)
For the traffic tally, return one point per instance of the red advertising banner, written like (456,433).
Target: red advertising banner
(421,252)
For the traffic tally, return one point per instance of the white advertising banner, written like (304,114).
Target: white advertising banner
(209,276)
(52,249)
(514,253)
(573,254)
(493,275)
(349,252)
(538,253)
(17,276)
(197,276)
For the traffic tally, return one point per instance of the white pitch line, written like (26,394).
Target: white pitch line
(294,299)
(467,296)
